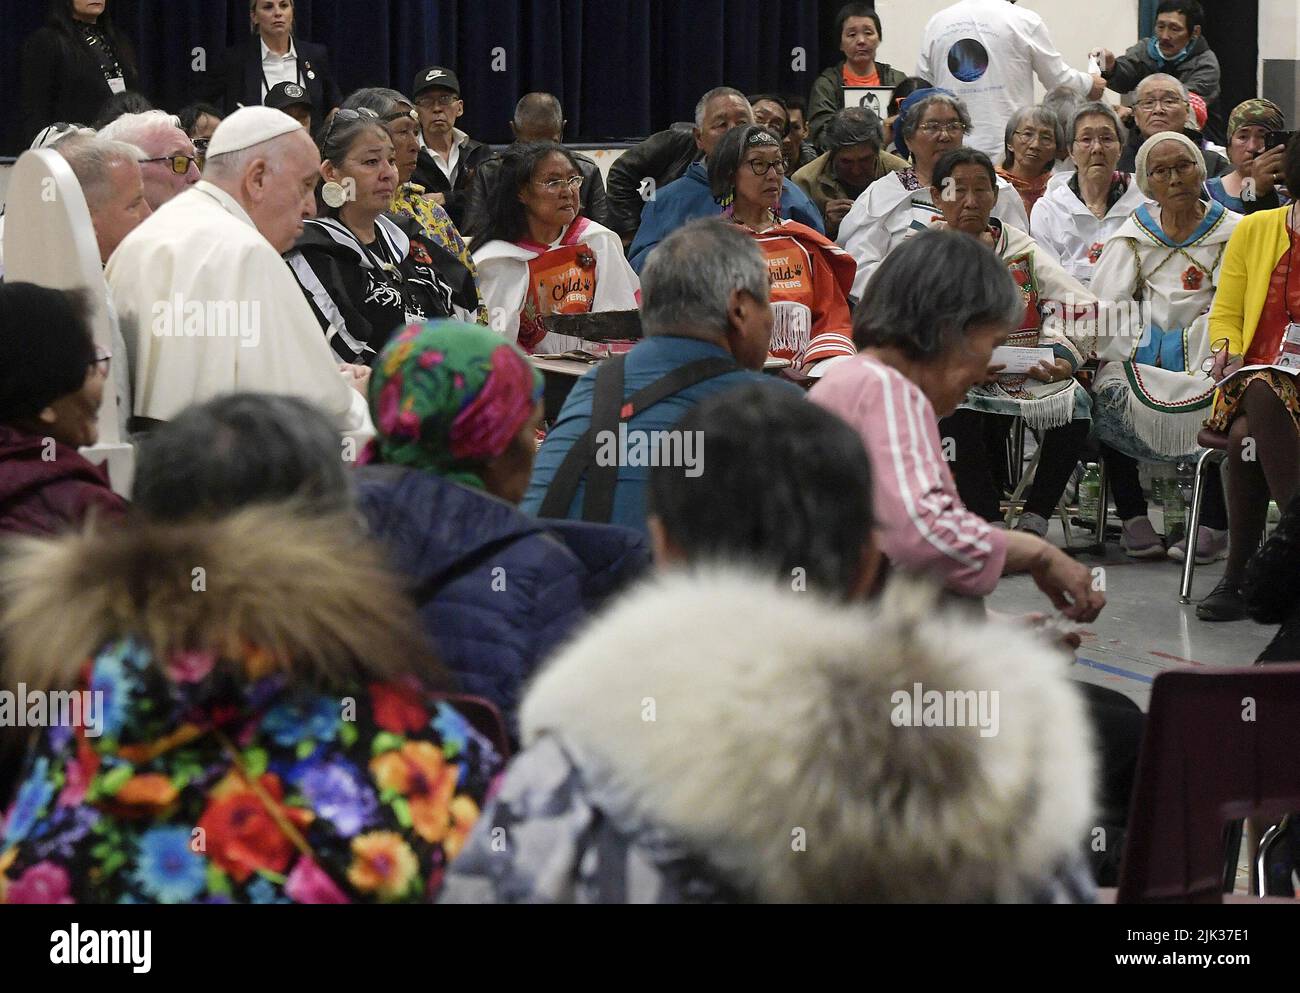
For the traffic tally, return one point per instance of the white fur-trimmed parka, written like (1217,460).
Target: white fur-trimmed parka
(718,737)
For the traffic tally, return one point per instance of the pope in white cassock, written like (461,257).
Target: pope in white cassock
(207,304)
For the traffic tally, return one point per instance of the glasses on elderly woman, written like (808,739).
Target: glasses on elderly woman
(935,128)
(1028,137)
(1104,140)
(1165,173)
(558,186)
(179,164)
(760,168)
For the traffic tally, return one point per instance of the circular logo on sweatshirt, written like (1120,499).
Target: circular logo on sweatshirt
(968,60)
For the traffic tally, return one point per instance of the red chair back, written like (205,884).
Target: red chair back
(1220,745)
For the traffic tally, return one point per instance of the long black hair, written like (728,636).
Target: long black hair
(65,24)
(505,218)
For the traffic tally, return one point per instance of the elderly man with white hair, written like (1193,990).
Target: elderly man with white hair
(1161,103)
(208,305)
(168,162)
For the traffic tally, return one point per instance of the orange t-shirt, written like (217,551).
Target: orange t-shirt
(851,80)
(560,281)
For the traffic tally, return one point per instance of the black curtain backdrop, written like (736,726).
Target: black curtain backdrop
(622,68)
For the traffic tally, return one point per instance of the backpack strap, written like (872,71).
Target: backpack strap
(608,411)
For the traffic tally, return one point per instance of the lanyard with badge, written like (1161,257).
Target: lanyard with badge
(97,42)
(297,66)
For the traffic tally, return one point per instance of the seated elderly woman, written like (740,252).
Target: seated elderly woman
(1076,218)
(537,256)
(402,121)
(933,122)
(810,275)
(1033,140)
(1056,321)
(51,384)
(598,810)
(854,159)
(1159,273)
(289,713)
(366,274)
(457,409)
(923,353)
(1252,161)
(1255,321)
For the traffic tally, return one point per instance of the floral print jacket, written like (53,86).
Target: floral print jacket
(203,786)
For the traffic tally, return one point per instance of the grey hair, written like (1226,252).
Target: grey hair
(137,128)
(380,99)
(914,114)
(1097,108)
(713,94)
(91,158)
(1040,115)
(240,449)
(853,126)
(1162,77)
(688,279)
(1063,102)
(901,308)
(539,110)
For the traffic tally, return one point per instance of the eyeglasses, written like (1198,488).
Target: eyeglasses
(101,360)
(557,186)
(180,164)
(1028,137)
(441,100)
(760,168)
(1165,173)
(347,114)
(1168,103)
(932,128)
(201,144)
(1105,140)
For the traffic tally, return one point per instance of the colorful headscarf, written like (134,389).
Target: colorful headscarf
(910,101)
(1261,113)
(447,397)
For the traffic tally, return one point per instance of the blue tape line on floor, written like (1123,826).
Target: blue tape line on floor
(1114,670)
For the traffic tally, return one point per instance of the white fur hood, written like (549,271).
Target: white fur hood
(754,724)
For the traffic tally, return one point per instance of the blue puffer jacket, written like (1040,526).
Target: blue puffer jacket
(498,590)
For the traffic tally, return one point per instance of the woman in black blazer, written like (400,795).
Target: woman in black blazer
(72,65)
(273,55)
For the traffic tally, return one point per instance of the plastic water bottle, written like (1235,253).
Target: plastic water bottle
(1089,492)
(1175,507)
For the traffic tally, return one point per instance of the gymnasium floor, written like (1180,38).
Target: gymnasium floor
(1144,628)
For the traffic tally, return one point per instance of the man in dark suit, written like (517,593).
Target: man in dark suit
(449,157)
(270,57)
(538,117)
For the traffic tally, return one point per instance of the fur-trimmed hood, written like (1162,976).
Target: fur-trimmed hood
(758,727)
(309,592)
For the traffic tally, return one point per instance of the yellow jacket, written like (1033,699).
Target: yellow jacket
(1253,253)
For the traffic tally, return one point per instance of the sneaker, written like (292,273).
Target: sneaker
(1140,541)
(1211,545)
(1225,603)
(1033,523)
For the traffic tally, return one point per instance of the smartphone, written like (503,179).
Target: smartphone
(1275,138)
